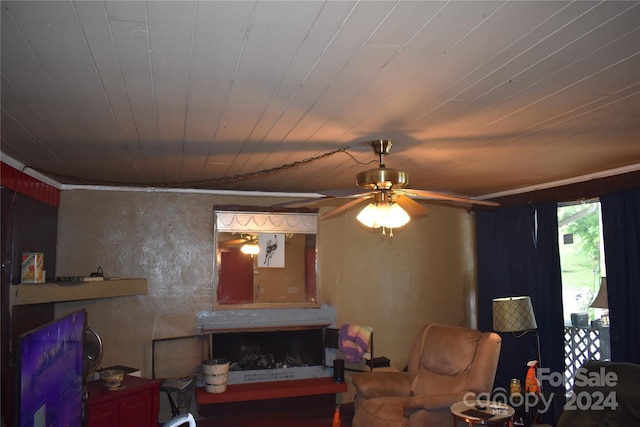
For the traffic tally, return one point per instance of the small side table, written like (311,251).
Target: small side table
(134,404)
(497,413)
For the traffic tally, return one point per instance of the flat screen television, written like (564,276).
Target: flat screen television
(50,373)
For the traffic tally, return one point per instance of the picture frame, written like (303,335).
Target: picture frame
(271,250)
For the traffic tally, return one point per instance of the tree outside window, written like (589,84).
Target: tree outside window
(581,257)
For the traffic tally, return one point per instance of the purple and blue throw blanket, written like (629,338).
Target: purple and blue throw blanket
(354,341)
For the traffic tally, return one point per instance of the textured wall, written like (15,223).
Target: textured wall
(425,273)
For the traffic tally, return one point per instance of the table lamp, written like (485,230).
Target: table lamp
(515,315)
(602,301)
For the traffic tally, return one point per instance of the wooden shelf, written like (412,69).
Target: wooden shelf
(271,390)
(26,293)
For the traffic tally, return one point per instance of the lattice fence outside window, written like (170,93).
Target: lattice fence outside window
(582,344)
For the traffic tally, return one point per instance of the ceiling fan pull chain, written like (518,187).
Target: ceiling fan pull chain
(384,233)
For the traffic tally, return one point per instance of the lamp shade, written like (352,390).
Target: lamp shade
(602,299)
(384,214)
(395,217)
(369,216)
(513,314)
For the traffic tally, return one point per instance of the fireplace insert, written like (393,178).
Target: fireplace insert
(270,349)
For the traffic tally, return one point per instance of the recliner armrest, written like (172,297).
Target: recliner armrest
(377,384)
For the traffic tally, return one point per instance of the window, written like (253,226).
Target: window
(582,262)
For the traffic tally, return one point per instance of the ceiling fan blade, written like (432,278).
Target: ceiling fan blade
(300,202)
(323,195)
(411,207)
(234,242)
(344,192)
(345,207)
(452,197)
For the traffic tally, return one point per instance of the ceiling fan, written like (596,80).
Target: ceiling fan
(244,238)
(391,204)
(248,244)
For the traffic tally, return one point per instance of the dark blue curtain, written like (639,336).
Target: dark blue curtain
(517,252)
(621,231)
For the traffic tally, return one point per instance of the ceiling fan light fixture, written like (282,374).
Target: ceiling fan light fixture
(369,216)
(250,248)
(384,215)
(397,217)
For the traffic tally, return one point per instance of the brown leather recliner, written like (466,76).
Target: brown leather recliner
(446,364)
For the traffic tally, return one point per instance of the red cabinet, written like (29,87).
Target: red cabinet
(134,405)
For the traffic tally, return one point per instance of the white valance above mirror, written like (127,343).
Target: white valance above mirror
(262,222)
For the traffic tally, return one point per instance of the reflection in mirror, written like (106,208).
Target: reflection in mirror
(265,259)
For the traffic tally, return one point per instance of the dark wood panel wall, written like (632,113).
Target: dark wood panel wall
(29,222)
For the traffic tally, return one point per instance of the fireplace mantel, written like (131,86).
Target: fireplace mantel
(265,319)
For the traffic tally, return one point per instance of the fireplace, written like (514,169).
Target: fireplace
(269,344)
(271,355)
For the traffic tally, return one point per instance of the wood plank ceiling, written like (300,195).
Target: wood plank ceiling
(481,97)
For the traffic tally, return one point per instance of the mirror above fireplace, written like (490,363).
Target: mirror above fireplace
(265,259)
